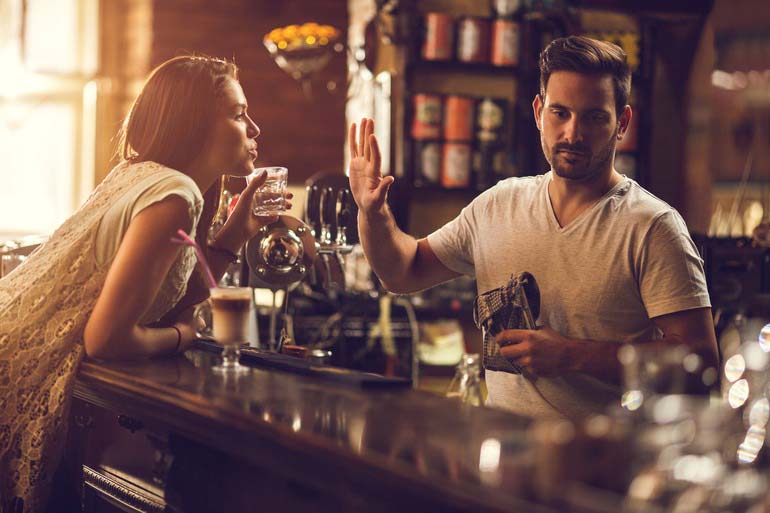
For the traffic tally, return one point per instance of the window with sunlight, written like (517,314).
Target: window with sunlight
(48,54)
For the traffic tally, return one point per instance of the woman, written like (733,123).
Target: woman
(106,281)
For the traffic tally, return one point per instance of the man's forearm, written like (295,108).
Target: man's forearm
(390,251)
(597,359)
(600,359)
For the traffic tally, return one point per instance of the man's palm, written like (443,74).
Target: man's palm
(367,185)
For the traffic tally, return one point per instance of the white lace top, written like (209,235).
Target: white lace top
(44,306)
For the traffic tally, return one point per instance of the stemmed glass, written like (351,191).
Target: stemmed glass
(230,311)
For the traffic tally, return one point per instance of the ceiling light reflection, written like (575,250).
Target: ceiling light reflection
(752,444)
(764,338)
(735,367)
(760,413)
(738,393)
(632,400)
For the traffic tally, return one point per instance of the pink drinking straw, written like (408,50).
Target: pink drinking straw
(187,241)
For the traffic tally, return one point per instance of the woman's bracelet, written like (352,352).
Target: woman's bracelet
(178,338)
(230,255)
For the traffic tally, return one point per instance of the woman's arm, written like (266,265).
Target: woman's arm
(140,266)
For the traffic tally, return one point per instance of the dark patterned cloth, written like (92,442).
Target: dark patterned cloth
(515,305)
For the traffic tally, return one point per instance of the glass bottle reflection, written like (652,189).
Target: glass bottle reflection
(466,384)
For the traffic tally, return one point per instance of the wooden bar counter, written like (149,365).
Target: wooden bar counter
(172,435)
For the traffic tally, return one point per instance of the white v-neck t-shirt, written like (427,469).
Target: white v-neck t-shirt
(604,276)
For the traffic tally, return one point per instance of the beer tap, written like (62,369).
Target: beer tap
(312,209)
(344,215)
(328,214)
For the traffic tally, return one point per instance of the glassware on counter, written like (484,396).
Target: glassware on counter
(466,384)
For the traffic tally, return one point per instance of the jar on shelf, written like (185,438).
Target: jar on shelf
(505,33)
(505,42)
(458,118)
(473,39)
(426,122)
(456,165)
(505,8)
(427,162)
(438,44)
(490,120)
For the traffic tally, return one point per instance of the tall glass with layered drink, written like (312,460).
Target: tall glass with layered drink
(230,312)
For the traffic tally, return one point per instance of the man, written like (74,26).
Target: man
(614,263)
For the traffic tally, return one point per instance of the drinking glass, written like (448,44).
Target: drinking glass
(270,198)
(230,312)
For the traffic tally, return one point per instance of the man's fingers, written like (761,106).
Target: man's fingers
(362,137)
(352,141)
(508,337)
(375,153)
(515,352)
(368,134)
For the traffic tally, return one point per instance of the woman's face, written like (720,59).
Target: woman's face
(231,147)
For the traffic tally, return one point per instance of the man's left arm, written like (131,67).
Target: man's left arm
(545,352)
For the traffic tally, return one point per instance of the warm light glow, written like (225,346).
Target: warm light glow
(667,409)
(698,469)
(764,338)
(739,80)
(632,400)
(738,394)
(752,444)
(301,37)
(759,413)
(735,367)
(489,456)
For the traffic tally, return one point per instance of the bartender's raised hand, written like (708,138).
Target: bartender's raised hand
(242,224)
(368,186)
(541,352)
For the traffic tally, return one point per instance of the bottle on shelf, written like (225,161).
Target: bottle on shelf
(426,135)
(505,33)
(489,154)
(439,37)
(458,136)
(473,40)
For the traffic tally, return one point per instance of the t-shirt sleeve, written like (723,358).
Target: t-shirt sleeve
(671,276)
(176,185)
(148,192)
(453,243)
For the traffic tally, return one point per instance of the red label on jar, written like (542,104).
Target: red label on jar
(439,37)
(505,43)
(426,123)
(458,118)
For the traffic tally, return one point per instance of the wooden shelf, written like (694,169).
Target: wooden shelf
(467,67)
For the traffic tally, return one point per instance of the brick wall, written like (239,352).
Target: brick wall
(306,136)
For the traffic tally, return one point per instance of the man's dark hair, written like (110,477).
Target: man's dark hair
(591,57)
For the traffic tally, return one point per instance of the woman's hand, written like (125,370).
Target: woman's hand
(242,224)
(369,188)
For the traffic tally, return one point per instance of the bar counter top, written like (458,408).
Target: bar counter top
(356,443)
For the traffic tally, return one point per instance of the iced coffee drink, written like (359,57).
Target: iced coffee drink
(230,312)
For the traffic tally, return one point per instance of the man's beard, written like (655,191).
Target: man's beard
(588,165)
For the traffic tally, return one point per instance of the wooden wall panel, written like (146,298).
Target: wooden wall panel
(305,135)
